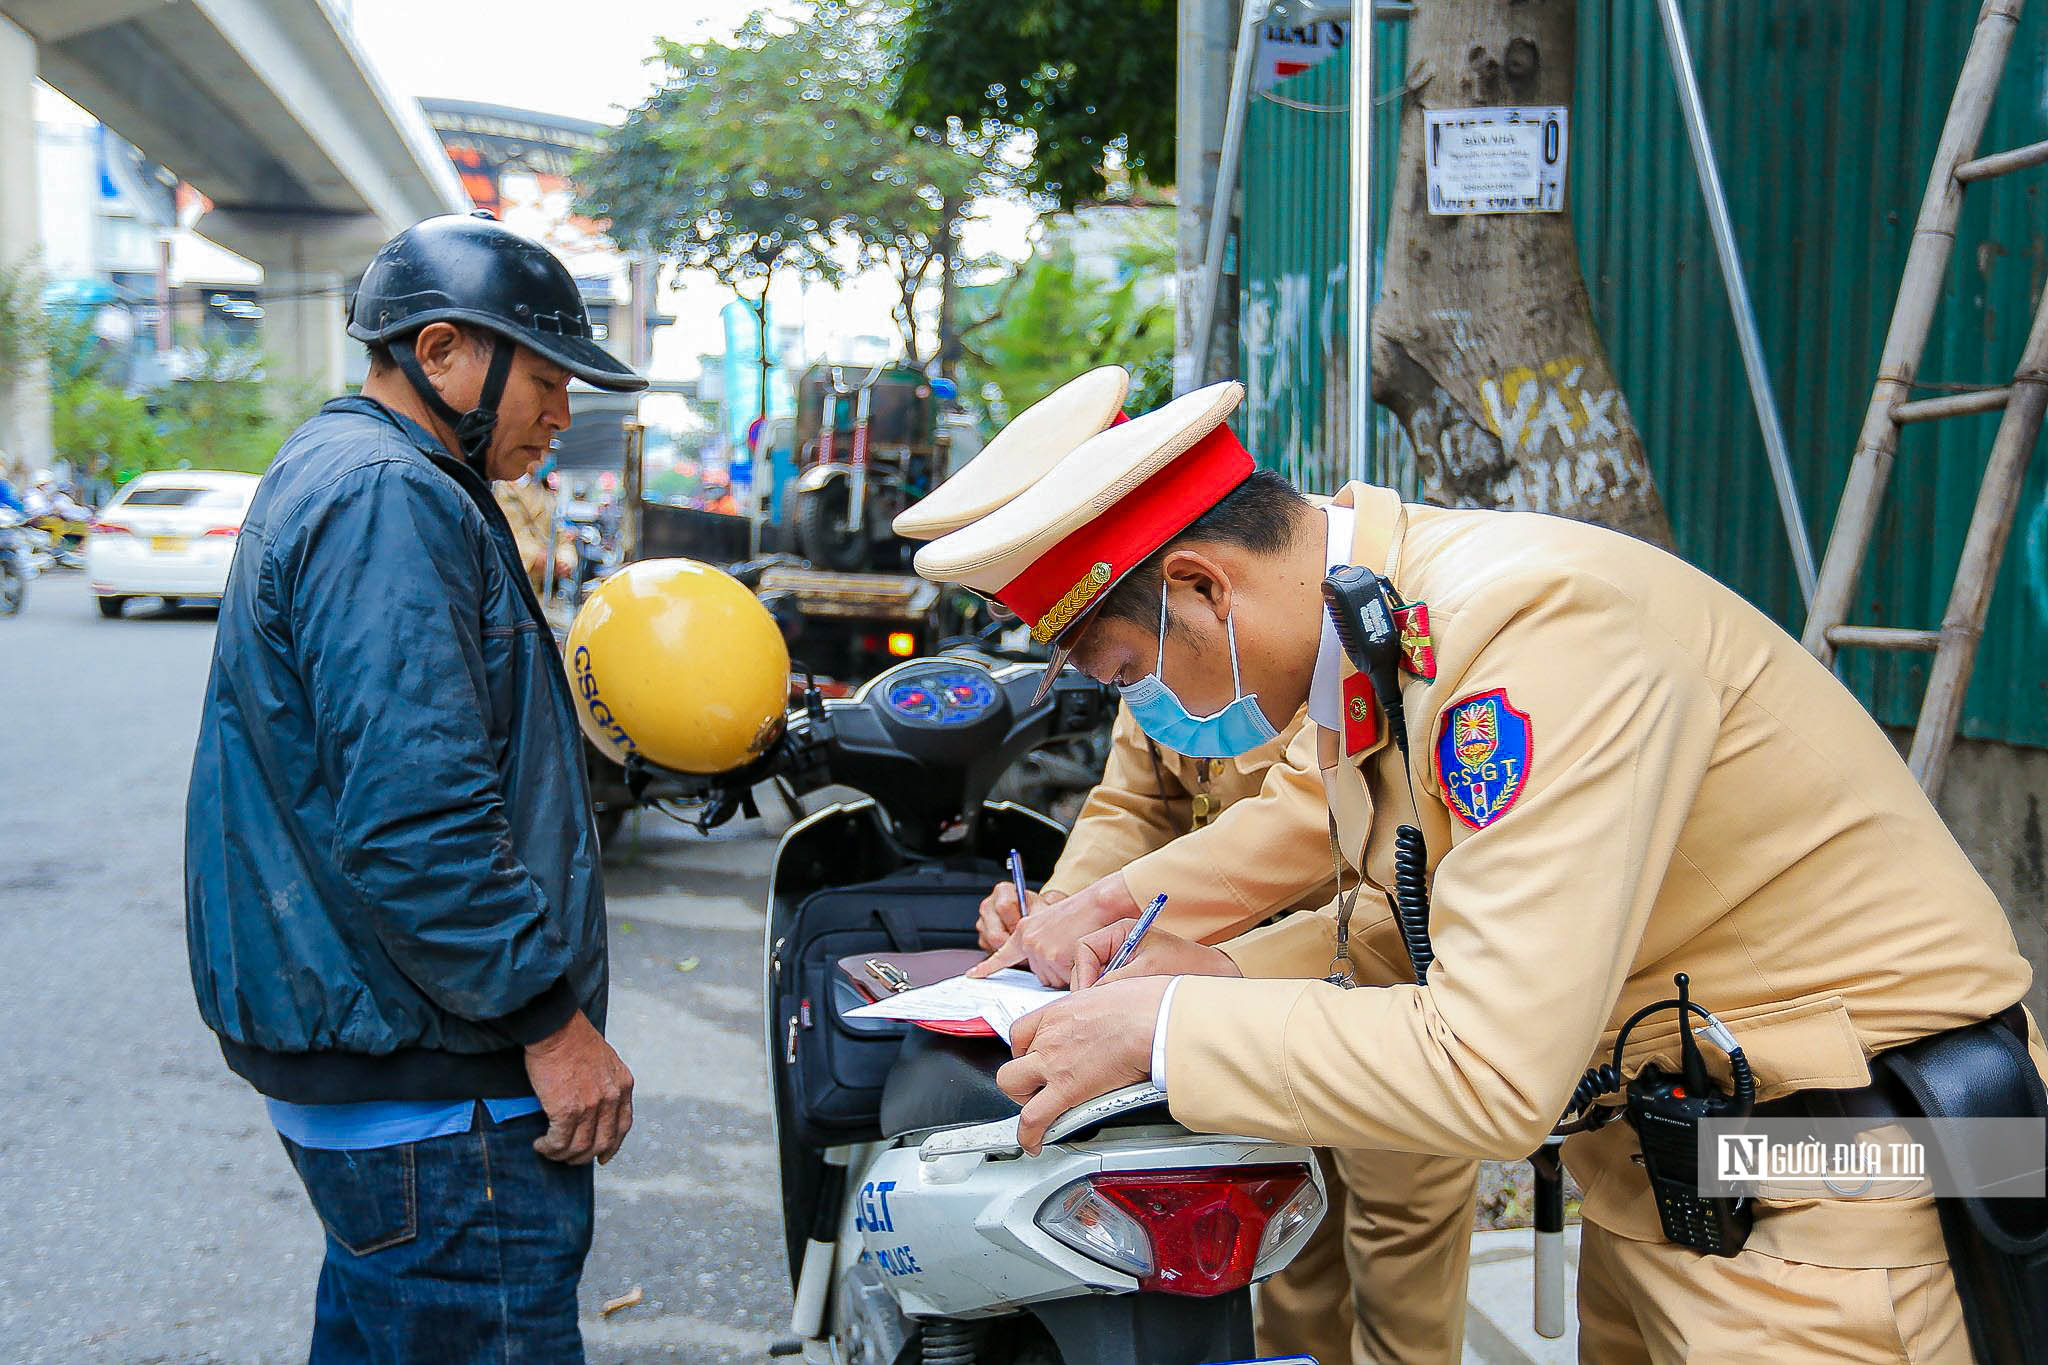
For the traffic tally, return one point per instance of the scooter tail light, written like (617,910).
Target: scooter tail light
(110,528)
(1301,1211)
(1197,1233)
(225,531)
(1099,1228)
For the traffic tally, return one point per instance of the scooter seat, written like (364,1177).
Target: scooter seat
(944,1082)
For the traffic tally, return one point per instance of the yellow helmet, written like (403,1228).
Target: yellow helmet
(678,662)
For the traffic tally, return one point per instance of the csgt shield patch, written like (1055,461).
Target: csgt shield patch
(1482,757)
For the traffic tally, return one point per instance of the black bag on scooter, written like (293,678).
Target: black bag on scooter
(834,1067)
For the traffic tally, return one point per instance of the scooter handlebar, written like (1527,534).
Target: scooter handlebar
(926,771)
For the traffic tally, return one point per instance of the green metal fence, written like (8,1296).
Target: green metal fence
(1294,311)
(1825,114)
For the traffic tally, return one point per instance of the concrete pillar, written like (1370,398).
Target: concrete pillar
(308,265)
(305,327)
(25,394)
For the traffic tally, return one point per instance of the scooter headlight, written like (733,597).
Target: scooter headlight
(1192,1232)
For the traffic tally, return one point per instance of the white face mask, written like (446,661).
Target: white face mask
(1240,727)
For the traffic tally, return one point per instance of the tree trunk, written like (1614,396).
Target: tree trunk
(1484,343)
(907,288)
(761,345)
(950,342)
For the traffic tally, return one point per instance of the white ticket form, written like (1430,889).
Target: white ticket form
(1001,1000)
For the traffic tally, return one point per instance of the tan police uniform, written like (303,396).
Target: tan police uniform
(1403,1220)
(1232,842)
(1698,794)
(1622,771)
(529,509)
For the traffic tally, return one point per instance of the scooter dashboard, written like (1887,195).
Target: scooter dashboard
(944,696)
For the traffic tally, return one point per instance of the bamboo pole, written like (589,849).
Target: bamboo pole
(1962,625)
(1912,317)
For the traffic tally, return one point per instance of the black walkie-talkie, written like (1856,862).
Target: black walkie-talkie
(1361,606)
(1362,611)
(1666,1111)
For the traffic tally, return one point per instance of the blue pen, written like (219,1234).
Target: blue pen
(1129,949)
(1017,880)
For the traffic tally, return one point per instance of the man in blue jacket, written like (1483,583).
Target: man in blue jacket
(393,901)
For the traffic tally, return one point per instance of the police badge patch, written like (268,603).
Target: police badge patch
(1361,716)
(1482,757)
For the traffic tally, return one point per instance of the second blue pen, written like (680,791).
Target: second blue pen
(1129,949)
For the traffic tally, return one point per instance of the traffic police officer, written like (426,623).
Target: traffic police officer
(1384,1279)
(1622,771)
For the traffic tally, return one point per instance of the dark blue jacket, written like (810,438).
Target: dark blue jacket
(391,873)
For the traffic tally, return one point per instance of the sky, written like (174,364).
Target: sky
(543,55)
(534,54)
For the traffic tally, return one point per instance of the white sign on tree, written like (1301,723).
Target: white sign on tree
(1496,160)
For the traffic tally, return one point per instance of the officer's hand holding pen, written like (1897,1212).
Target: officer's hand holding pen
(1162,953)
(1044,941)
(1098,1039)
(1000,913)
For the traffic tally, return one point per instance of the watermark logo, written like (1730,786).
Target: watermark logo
(1846,1169)
(1866,1158)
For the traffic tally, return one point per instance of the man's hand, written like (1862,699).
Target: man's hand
(999,914)
(586,1092)
(1160,954)
(1086,1045)
(1045,939)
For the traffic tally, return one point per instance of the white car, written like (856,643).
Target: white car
(169,535)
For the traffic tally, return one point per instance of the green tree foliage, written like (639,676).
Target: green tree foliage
(230,413)
(733,165)
(1091,81)
(103,431)
(775,152)
(909,223)
(227,414)
(1066,311)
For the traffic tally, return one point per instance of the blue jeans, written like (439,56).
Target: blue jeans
(461,1248)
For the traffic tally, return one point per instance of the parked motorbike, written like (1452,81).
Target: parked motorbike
(917,1229)
(870,445)
(50,549)
(17,564)
(62,524)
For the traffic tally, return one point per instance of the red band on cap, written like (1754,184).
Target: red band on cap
(1143,520)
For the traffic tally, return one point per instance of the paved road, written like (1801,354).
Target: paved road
(149,1213)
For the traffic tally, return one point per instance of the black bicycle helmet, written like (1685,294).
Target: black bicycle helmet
(472,269)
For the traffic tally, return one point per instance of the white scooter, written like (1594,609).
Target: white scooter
(919,1233)
(1127,1241)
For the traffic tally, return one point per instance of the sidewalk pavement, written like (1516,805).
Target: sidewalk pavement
(1499,1316)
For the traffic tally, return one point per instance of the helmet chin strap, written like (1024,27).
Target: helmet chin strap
(473,429)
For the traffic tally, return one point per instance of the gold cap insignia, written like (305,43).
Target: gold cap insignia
(1063,612)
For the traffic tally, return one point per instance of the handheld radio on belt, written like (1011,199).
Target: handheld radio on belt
(1666,1110)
